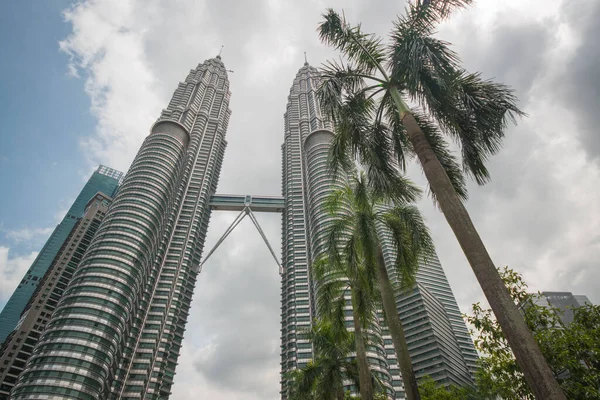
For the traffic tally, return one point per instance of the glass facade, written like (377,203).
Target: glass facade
(18,346)
(297,311)
(104,180)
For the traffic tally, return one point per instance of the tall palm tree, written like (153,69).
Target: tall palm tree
(323,378)
(367,100)
(341,278)
(361,216)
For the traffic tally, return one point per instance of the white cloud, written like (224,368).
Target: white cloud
(539,214)
(232,338)
(12,270)
(118,80)
(24,234)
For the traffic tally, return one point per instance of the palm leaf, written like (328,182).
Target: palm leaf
(411,240)
(365,50)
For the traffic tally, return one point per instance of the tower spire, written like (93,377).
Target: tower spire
(220,50)
(305,59)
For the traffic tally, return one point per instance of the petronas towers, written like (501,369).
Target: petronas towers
(118,328)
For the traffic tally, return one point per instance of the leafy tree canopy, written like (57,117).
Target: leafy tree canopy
(573,351)
(430,390)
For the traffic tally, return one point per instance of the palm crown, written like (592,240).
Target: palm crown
(323,378)
(362,218)
(362,96)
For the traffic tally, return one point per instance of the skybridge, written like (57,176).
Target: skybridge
(236,202)
(247,205)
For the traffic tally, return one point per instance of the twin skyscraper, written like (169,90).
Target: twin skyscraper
(116,321)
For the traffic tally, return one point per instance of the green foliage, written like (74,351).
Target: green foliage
(323,378)
(358,95)
(340,280)
(430,390)
(360,213)
(571,351)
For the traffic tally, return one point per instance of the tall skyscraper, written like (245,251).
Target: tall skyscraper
(105,180)
(306,186)
(19,344)
(438,339)
(301,118)
(117,331)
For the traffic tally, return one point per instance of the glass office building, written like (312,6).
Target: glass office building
(18,346)
(105,180)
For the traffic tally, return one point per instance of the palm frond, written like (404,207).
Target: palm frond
(365,294)
(385,180)
(466,107)
(419,62)
(338,313)
(411,240)
(435,10)
(329,382)
(438,144)
(338,80)
(443,153)
(332,284)
(340,158)
(339,200)
(490,106)
(365,50)
(307,379)
(351,122)
(351,369)
(477,116)
(401,145)
(366,234)
(322,268)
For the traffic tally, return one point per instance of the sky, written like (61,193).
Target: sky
(85,81)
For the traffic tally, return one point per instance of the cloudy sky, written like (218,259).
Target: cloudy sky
(85,81)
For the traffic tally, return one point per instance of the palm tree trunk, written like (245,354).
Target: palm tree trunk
(364,373)
(398,338)
(340,393)
(527,353)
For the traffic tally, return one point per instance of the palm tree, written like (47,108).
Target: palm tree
(366,99)
(339,279)
(360,216)
(323,378)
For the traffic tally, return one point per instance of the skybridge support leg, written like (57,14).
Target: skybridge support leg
(234,224)
(257,225)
